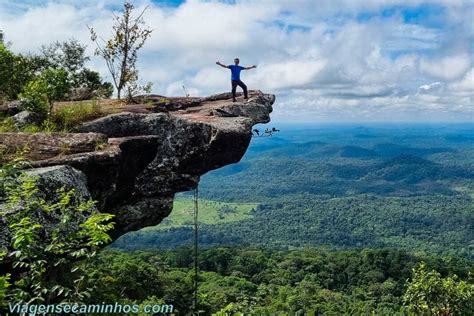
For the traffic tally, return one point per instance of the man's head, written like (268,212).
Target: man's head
(236,61)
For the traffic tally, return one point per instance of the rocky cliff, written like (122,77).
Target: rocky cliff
(133,162)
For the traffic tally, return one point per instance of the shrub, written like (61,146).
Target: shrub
(48,262)
(92,80)
(52,85)
(35,97)
(7,125)
(4,284)
(430,294)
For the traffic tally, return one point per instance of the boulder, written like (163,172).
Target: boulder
(12,108)
(48,181)
(80,94)
(25,118)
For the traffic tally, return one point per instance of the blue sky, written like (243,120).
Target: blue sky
(327,61)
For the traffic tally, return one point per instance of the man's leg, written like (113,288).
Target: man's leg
(234,87)
(244,87)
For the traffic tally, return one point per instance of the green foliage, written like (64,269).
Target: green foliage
(63,118)
(335,186)
(10,174)
(35,97)
(7,125)
(231,309)
(15,72)
(52,85)
(70,56)
(7,64)
(95,229)
(151,300)
(92,80)
(70,115)
(41,80)
(256,281)
(47,126)
(428,293)
(44,259)
(121,51)
(4,284)
(435,224)
(211,212)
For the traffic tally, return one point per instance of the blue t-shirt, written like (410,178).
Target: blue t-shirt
(235,70)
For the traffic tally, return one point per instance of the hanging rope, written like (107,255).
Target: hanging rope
(195,215)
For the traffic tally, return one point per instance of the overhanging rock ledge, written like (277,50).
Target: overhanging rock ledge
(133,162)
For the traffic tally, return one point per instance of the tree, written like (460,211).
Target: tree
(430,294)
(92,80)
(121,51)
(7,65)
(69,55)
(16,71)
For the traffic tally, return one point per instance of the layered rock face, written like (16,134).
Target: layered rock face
(133,162)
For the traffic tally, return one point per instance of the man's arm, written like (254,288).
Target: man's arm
(222,65)
(251,67)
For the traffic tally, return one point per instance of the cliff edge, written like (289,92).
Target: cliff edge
(133,162)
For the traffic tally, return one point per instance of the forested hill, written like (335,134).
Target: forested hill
(256,281)
(399,186)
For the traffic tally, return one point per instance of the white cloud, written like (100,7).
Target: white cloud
(211,78)
(466,84)
(446,68)
(321,61)
(287,74)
